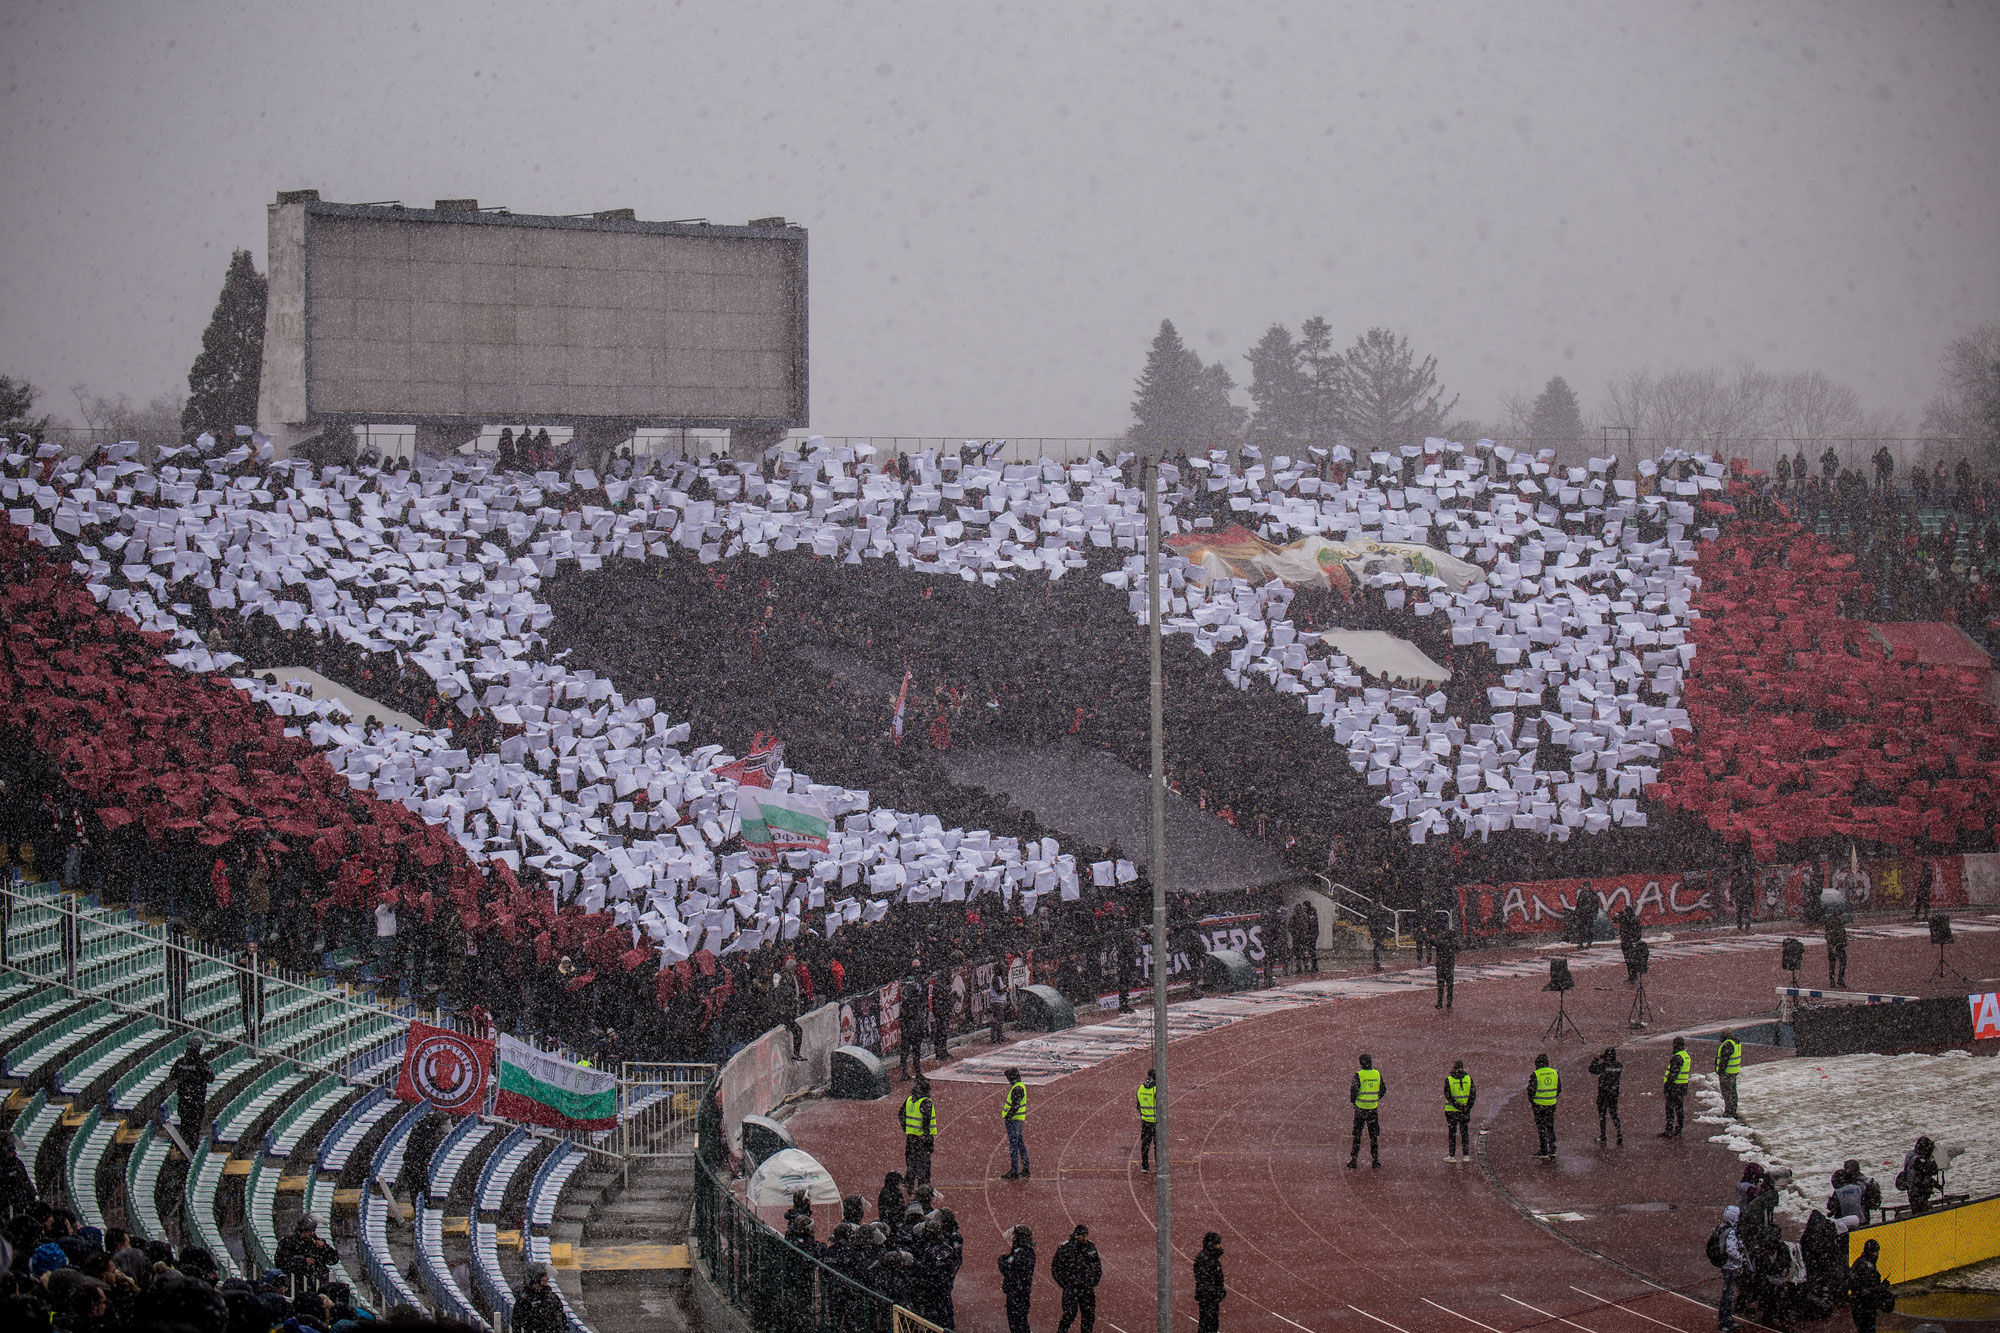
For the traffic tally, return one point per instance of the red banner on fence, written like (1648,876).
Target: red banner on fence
(1542,907)
(445,1068)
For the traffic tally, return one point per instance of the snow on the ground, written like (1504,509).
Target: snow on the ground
(1813,1114)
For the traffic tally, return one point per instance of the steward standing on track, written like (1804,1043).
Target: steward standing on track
(1148,1097)
(1544,1087)
(1610,1072)
(1836,949)
(914,1016)
(1014,1114)
(1728,1063)
(919,1116)
(1676,1083)
(1459,1095)
(1365,1093)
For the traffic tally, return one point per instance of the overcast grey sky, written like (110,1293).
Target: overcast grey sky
(1004,200)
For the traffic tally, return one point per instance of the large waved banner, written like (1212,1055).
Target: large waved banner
(445,1068)
(537,1088)
(776,822)
(1521,909)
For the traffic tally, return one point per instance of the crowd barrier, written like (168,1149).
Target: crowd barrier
(1926,1244)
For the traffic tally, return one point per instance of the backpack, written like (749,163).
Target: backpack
(1902,1180)
(1718,1253)
(1871,1195)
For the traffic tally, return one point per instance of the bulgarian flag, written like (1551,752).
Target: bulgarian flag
(776,822)
(541,1089)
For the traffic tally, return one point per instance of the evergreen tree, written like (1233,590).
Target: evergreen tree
(1556,421)
(17,399)
(1277,389)
(1320,370)
(222,386)
(1386,398)
(1181,400)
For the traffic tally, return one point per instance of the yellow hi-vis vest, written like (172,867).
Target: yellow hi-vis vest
(1010,1111)
(1146,1096)
(1677,1069)
(1457,1092)
(1547,1081)
(1370,1091)
(915,1111)
(1729,1058)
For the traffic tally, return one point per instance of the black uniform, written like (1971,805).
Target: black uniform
(1609,1072)
(1209,1288)
(1445,944)
(1017,1284)
(191,1076)
(1077,1269)
(1836,950)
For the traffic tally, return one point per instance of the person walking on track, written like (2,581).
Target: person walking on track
(914,1017)
(1676,1084)
(1209,1287)
(1544,1087)
(1365,1093)
(1077,1270)
(1014,1114)
(919,1118)
(1148,1101)
(1017,1277)
(1836,949)
(1609,1074)
(1728,1064)
(1459,1095)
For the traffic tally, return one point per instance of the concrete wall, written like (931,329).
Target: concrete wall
(492,322)
(281,394)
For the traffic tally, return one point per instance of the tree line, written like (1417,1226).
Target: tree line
(1377,394)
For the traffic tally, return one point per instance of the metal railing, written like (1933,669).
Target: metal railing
(656,1108)
(1357,909)
(161,973)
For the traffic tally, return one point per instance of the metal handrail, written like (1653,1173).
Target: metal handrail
(1352,903)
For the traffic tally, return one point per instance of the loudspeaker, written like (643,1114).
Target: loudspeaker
(1941,928)
(1642,958)
(1792,955)
(1559,977)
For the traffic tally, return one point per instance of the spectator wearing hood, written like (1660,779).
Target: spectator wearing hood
(1732,1268)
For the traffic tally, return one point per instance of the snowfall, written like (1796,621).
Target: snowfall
(1811,1115)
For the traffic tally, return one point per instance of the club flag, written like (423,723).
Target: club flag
(541,1089)
(445,1068)
(902,697)
(776,822)
(756,769)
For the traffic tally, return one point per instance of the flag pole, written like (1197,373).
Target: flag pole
(1163,1192)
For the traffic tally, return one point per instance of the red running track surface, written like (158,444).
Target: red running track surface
(1603,1239)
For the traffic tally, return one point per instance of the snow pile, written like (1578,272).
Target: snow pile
(1812,1115)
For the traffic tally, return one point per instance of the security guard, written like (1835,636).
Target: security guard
(1459,1095)
(1728,1064)
(1366,1093)
(1014,1114)
(1148,1096)
(919,1132)
(1544,1086)
(1676,1083)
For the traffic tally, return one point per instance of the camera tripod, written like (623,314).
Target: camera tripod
(1562,1019)
(1945,969)
(1641,1012)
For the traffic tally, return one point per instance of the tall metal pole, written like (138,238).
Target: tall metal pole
(1163,1187)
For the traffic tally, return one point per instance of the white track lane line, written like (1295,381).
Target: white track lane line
(1621,1306)
(1747,1323)
(1546,1315)
(1460,1313)
(1293,1322)
(1376,1317)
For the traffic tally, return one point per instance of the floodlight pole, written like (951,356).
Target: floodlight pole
(1163,1189)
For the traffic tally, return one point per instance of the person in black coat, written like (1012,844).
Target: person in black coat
(1077,1269)
(17,1186)
(191,1076)
(1017,1278)
(1610,1071)
(537,1308)
(1444,944)
(1209,1288)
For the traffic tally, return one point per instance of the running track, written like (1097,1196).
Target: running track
(1603,1240)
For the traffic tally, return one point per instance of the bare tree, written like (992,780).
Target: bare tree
(1968,403)
(1711,408)
(109,419)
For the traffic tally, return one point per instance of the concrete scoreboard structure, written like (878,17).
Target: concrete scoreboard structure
(451,318)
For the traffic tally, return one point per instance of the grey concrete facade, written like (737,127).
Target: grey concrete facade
(384,314)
